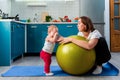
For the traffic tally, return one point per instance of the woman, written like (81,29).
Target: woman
(87,30)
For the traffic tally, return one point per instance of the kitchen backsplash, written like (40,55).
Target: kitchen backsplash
(95,9)
(55,9)
(5,6)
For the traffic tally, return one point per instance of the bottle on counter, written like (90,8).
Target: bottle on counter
(0,14)
(35,19)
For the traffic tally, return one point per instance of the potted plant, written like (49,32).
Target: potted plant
(48,18)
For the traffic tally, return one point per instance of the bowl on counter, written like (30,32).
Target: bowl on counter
(75,20)
(23,20)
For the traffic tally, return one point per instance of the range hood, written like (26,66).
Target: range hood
(37,4)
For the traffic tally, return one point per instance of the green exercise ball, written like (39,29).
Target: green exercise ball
(73,59)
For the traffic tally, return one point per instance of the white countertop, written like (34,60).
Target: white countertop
(6,19)
(46,22)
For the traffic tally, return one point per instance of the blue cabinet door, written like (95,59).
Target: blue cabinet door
(66,30)
(5,43)
(43,34)
(35,37)
(17,39)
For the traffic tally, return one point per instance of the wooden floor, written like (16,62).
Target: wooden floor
(35,60)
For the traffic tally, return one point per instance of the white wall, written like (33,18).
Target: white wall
(94,9)
(107,22)
(55,9)
(5,6)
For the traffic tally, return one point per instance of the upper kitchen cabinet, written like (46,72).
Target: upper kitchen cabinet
(39,3)
(94,9)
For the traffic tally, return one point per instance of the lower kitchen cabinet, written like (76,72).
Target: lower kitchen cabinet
(11,41)
(17,39)
(5,43)
(66,30)
(36,34)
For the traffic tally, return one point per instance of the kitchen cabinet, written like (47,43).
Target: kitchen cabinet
(5,43)
(36,34)
(17,39)
(66,30)
(11,41)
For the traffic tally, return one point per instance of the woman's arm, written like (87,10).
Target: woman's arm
(84,44)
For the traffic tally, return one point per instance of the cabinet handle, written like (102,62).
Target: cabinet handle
(12,29)
(69,26)
(33,26)
(18,26)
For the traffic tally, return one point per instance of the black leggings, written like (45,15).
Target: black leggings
(102,52)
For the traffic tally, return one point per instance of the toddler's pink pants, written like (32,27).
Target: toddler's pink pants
(47,60)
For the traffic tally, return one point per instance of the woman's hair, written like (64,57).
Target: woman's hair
(88,22)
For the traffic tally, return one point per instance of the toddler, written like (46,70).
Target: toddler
(48,47)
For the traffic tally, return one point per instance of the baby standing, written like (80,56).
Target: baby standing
(46,52)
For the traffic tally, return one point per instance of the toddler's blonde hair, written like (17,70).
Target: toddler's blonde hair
(51,27)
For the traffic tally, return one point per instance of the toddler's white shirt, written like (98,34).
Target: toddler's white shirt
(48,47)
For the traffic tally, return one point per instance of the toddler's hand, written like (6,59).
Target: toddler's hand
(51,33)
(56,36)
